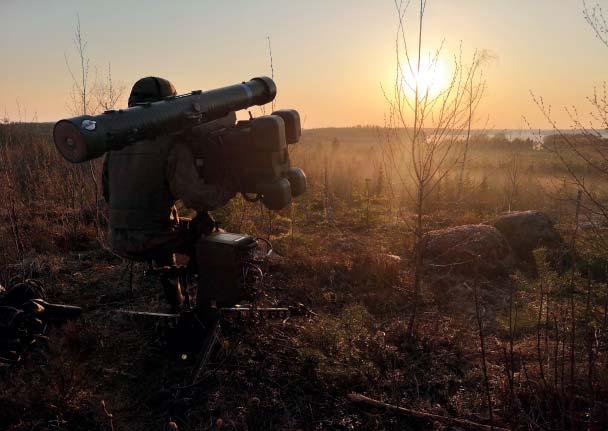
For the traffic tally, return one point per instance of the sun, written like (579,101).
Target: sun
(432,78)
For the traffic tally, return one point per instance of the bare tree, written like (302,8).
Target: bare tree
(271,64)
(512,179)
(107,92)
(475,89)
(89,96)
(582,149)
(425,125)
(81,101)
(595,17)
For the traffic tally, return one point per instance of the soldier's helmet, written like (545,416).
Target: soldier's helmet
(150,89)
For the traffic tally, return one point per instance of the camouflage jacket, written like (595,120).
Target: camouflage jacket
(131,234)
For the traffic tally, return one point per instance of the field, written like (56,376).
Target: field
(344,251)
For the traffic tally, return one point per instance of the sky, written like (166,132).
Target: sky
(330,57)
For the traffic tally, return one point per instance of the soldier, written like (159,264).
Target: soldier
(141,184)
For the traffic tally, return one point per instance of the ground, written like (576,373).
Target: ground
(269,374)
(345,252)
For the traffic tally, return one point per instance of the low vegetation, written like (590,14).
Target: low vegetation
(522,351)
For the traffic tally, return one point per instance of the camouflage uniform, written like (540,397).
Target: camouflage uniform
(141,184)
(141,193)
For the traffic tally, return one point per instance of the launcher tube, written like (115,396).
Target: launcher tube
(87,137)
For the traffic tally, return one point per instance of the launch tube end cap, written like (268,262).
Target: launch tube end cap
(271,88)
(69,141)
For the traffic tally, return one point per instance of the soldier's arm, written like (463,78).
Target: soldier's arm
(186,184)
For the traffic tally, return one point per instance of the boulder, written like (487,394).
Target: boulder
(525,231)
(461,249)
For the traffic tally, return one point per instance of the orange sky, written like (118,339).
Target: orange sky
(330,57)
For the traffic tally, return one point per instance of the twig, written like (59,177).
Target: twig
(109,415)
(468,425)
(483,348)
(271,66)
(539,352)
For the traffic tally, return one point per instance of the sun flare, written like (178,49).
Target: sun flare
(432,78)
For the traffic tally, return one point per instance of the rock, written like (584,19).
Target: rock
(461,248)
(525,231)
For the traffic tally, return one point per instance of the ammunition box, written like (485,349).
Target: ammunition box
(221,259)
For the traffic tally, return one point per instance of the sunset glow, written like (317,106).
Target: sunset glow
(432,78)
(325,63)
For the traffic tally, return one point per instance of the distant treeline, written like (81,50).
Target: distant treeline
(577,139)
(499,141)
(20,132)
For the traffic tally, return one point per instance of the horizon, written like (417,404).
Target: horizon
(523,132)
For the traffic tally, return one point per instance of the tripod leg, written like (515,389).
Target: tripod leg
(214,338)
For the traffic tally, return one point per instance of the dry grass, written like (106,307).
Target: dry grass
(346,254)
